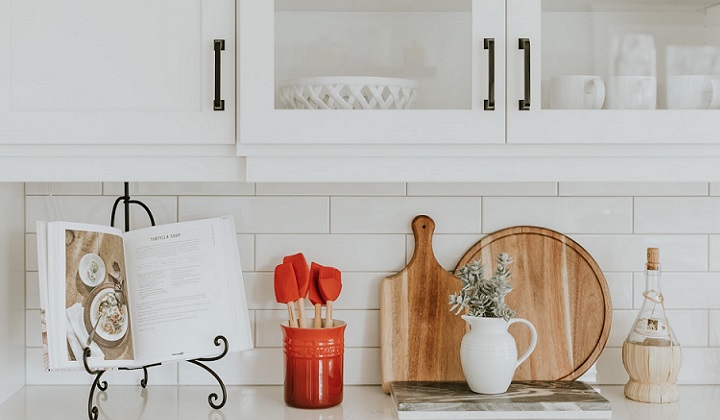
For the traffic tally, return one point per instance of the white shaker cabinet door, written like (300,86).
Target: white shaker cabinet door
(117,72)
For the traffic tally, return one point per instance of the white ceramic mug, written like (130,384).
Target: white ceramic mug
(631,92)
(693,92)
(577,92)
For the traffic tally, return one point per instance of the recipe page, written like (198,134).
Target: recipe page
(176,277)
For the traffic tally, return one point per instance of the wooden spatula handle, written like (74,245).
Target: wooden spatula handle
(318,316)
(292,321)
(329,315)
(301,313)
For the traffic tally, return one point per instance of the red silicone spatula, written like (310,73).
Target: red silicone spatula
(286,289)
(302,276)
(314,293)
(330,285)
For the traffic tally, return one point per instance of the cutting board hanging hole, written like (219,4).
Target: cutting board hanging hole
(423,227)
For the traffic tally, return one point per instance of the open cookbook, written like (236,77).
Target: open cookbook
(140,297)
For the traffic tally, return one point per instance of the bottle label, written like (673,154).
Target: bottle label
(652,327)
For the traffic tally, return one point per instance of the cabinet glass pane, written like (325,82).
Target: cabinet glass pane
(658,54)
(427,43)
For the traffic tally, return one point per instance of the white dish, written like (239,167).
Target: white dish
(94,307)
(348,92)
(88,276)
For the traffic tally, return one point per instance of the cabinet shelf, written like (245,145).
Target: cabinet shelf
(626,6)
(372,5)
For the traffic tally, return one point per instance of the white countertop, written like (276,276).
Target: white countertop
(266,402)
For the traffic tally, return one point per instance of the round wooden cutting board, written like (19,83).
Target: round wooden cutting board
(558,287)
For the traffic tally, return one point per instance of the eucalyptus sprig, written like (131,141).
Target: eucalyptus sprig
(484,297)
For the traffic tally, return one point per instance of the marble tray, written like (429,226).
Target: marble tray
(524,400)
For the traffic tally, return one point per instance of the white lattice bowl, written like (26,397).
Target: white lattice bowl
(348,93)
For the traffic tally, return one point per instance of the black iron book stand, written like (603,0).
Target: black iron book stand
(220,341)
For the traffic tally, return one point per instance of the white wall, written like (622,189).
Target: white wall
(12,292)
(364,229)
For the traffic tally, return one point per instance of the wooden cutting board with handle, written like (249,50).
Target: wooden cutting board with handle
(419,336)
(557,286)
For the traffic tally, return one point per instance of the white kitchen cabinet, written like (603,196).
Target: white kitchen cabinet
(451,48)
(137,72)
(449,136)
(671,48)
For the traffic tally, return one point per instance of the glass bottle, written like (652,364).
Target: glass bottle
(651,353)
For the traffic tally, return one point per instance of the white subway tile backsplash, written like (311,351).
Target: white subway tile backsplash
(621,289)
(715,188)
(677,215)
(362,328)
(700,366)
(609,367)
(395,214)
(563,214)
(482,189)
(690,327)
(714,328)
(684,290)
(359,290)
(185,188)
(31,255)
(331,189)
(262,214)
(84,209)
(448,249)
(97,210)
(364,230)
(259,290)
(345,252)
(264,366)
(256,366)
(628,252)
(714,252)
(32,290)
(246,248)
(630,189)
(33,337)
(65,188)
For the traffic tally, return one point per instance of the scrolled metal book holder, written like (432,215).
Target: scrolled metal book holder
(219,341)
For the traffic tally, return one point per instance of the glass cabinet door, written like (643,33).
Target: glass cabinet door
(371,71)
(609,71)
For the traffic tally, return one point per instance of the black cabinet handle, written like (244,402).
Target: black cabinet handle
(490,101)
(218,104)
(525,103)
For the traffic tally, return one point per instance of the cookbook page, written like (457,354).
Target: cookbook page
(85,296)
(177,280)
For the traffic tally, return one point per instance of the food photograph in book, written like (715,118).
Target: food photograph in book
(96,304)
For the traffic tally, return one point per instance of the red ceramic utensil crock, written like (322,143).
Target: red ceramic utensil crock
(314,365)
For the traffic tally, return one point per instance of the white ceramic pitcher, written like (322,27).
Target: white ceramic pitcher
(488,353)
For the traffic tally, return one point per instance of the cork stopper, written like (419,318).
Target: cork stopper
(653,259)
